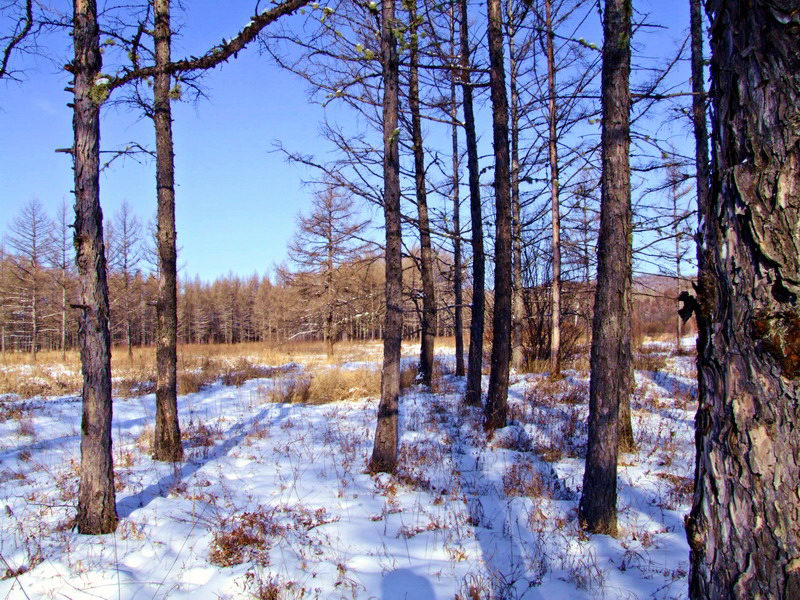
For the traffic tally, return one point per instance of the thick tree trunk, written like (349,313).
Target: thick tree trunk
(457,260)
(384,452)
(97,511)
(496,409)
(610,355)
(743,528)
(428,324)
(555,285)
(167,439)
(472,396)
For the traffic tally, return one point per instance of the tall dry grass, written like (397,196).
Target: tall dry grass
(198,366)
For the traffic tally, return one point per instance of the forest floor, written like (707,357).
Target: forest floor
(273,501)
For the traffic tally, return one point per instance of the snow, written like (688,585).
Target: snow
(465,517)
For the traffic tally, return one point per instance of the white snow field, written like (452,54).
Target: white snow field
(273,501)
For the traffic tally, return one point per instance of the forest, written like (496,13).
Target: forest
(535,331)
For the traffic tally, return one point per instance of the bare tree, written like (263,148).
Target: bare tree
(124,257)
(497,398)
(611,332)
(326,246)
(456,193)
(555,285)
(742,529)
(384,452)
(96,497)
(472,396)
(62,261)
(167,438)
(428,336)
(32,244)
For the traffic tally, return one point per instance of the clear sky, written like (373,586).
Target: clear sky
(236,199)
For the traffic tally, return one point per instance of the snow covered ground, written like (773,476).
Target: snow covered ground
(273,501)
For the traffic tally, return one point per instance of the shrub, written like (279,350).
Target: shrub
(333,385)
(246,537)
(649,362)
(523,479)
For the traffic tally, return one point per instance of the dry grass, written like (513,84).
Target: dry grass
(680,489)
(523,479)
(649,362)
(324,385)
(198,366)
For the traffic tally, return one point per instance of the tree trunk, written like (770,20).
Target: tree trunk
(678,278)
(34,315)
(699,122)
(496,409)
(97,511)
(518,307)
(63,319)
(742,530)
(472,396)
(702,172)
(167,439)
(457,266)
(428,324)
(384,452)
(611,329)
(555,285)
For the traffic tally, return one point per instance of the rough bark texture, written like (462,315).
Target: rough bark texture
(743,528)
(384,452)
(96,497)
(496,409)
(611,329)
(167,438)
(472,396)
(555,286)
(428,334)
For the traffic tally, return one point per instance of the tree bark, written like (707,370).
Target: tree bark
(384,452)
(496,409)
(428,324)
(167,439)
(96,496)
(472,397)
(555,285)
(742,530)
(611,329)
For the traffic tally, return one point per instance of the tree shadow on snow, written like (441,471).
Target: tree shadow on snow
(404,584)
(496,524)
(232,437)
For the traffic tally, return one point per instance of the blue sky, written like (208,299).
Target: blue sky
(236,199)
